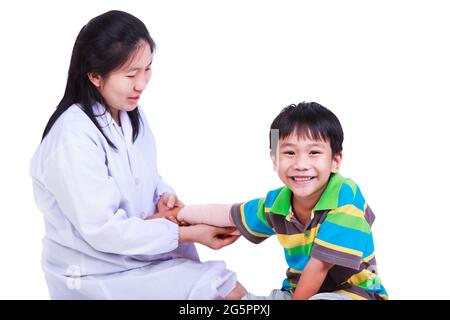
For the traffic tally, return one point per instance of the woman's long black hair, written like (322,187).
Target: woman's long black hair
(104,44)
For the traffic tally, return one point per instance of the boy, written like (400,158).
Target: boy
(320,218)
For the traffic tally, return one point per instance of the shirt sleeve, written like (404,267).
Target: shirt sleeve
(251,220)
(77,176)
(343,237)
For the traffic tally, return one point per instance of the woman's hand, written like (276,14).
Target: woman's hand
(165,214)
(210,236)
(170,215)
(168,201)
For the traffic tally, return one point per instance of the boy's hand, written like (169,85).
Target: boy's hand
(168,201)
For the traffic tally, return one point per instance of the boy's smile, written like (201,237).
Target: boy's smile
(305,165)
(301,180)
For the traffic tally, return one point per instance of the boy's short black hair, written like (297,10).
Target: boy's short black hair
(311,120)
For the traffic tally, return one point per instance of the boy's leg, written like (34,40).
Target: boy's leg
(238,292)
(330,296)
(275,294)
(286,295)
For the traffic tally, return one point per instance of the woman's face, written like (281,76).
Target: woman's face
(122,88)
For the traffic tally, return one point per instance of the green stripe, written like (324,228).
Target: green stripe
(345,220)
(304,250)
(352,185)
(261,214)
(370,284)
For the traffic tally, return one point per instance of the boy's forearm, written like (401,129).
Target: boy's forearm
(218,215)
(212,214)
(311,279)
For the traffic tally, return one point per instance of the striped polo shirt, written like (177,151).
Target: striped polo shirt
(338,232)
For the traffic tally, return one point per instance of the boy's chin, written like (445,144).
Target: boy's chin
(302,194)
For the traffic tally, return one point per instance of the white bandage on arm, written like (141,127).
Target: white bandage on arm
(213,214)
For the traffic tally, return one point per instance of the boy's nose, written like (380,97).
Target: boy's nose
(302,163)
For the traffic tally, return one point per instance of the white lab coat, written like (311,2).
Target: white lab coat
(94,200)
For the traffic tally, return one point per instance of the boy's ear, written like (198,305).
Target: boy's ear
(95,78)
(337,159)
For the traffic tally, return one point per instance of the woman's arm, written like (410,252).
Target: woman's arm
(210,236)
(76,175)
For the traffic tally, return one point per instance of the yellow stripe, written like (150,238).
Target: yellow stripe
(289,217)
(299,239)
(351,295)
(294,271)
(339,248)
(370,257)
(360,277)
(256,234)
(349,209)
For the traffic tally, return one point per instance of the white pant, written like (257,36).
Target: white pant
(176,279)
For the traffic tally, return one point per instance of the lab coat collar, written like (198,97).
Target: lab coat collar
(105,120)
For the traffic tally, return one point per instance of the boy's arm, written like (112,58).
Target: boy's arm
(208,224)
(311,279)
(212,214)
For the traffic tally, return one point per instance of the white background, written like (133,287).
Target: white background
(222,71)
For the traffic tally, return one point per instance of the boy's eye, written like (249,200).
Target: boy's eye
(314,152)
(289,153)
(131,75)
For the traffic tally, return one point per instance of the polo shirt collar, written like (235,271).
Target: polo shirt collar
(282,203)
(330,197)
(328,200)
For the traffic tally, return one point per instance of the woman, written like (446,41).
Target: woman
(96,182)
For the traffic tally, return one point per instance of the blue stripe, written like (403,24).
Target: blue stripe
(286,284)
(271,196)
(343,237)
(369,248)
(297,262)
(252,220)
(359,200)
(346,195)
(380,290)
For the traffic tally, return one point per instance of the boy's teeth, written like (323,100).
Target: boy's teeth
(302,179)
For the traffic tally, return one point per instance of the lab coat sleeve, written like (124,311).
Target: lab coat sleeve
(77,176)
(161,188)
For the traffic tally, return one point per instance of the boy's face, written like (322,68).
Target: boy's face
(305,165)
